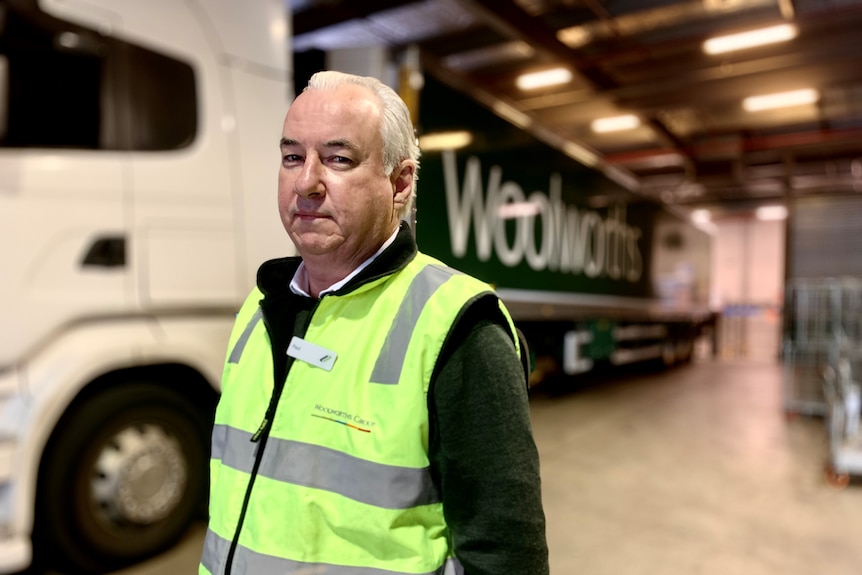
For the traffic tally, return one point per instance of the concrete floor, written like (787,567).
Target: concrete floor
(694,471)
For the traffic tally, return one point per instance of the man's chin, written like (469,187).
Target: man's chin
(313,244)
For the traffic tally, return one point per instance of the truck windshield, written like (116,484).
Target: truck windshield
(61,87)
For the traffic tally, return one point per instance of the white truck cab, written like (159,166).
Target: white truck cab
(138,164)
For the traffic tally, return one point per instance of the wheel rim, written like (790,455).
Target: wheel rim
(139,476)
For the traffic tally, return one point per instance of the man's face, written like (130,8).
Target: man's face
(334,197)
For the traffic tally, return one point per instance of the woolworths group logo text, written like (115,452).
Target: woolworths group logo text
(572,240)
(351,420)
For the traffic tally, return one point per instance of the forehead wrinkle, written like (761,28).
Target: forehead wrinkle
(340,143)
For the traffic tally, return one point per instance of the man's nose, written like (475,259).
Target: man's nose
(310,180)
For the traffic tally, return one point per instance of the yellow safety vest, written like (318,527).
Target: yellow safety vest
(343,486)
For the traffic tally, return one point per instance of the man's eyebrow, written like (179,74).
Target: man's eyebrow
(343,143)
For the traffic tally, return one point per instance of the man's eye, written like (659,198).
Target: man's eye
(343,160)
(290,158)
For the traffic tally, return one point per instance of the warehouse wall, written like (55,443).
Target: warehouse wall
(748,272)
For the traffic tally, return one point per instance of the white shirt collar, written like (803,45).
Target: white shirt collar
(299,284)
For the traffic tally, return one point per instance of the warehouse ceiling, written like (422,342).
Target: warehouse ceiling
(695,144)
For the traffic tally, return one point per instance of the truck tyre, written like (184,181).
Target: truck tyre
(124,476)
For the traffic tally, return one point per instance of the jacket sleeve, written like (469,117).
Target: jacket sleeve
(482,451)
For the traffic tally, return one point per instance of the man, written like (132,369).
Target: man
(374,416)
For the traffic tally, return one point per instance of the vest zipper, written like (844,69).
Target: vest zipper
(233,544)
(261,428)
(260,437)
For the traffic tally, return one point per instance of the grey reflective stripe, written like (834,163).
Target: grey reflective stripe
(251,562)
(238,348)
(387,370)
(228,444)
(453,567)
(385,486)
(214,553)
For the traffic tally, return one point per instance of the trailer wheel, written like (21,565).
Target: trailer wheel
(123,479)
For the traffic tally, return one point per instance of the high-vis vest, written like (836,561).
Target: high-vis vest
(341,485)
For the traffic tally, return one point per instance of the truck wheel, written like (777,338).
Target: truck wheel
(123,479)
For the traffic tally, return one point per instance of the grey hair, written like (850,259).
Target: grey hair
(396,128)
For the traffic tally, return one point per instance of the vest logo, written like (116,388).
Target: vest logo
(344,418)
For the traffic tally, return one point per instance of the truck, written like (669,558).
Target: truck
(595,276)
(138,165)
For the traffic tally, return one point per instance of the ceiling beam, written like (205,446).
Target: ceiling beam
(515,22)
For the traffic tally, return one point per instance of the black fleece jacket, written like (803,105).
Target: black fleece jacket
(481,447)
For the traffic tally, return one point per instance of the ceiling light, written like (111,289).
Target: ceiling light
(766,213)
(575,36)
(445,140)
(701,216)
(615,123)
(780,100)
(543,79)
(750,39)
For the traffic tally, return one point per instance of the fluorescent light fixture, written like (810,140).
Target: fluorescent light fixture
(780,100)
(743,40)
(615,123)
(701,216)
(543,79)
(766,213)
(445,140)
(575,36)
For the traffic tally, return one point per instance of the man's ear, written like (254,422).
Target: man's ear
(402,182)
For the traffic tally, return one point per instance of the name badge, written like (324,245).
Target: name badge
(311,354)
